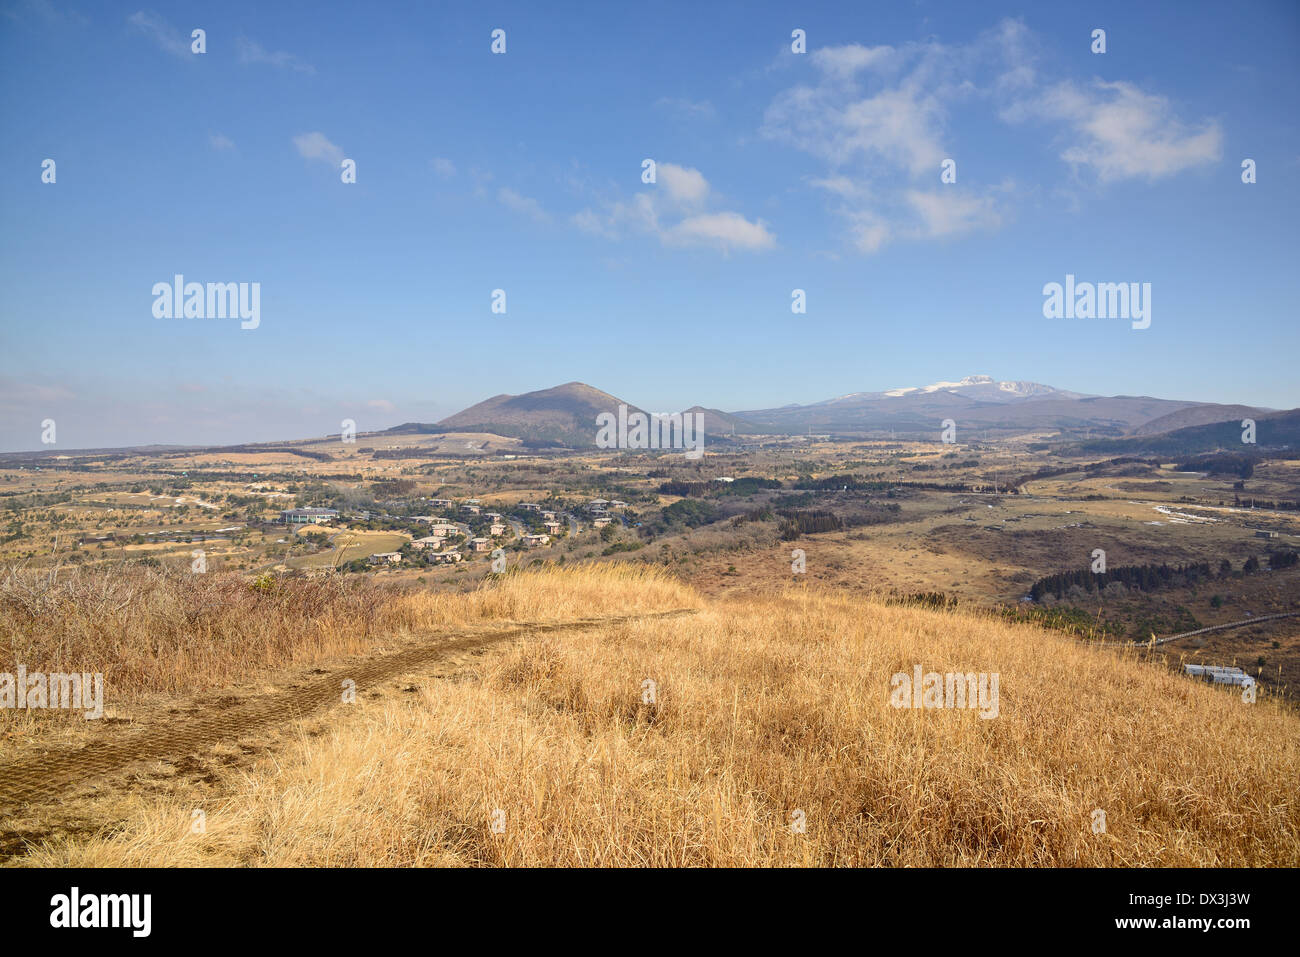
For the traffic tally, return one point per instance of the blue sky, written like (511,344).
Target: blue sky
(522,172)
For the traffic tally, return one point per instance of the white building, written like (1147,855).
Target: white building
(1220,675)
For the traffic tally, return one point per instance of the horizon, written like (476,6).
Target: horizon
(822,172)
(680,408)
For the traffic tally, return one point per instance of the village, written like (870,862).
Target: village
(474,530)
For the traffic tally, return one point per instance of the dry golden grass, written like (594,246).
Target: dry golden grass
(764,708)
(162,631)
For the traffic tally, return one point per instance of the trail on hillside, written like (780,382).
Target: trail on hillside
(46,777)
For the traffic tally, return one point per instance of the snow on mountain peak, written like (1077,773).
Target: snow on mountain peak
(972,386)
(976,384)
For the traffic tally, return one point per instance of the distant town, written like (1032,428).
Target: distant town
(525,525)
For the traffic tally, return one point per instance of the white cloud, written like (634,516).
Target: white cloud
(316,146)
(589,221)
(617,217)
(901,122)
(879,118)
(443,167)
(684,185)
(842,186)
(382,405)
(1122,132)
(847,60)
(251,52)
(221,142)
(946,211)
(522,204)
(726,230)
(868,231)
(674,211)
(161,32)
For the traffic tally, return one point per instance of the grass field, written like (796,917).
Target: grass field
(347,545)
(766,713)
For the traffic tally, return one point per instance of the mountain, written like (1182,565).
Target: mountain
(564,415)
(1199,415)
(1273,431)
(982,404)
(719,423)
(981,387)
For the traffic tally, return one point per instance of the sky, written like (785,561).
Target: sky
(522,171)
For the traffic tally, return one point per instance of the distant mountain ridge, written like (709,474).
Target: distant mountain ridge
(981,404)
(972,386)
(566,415)
(1197,415)
(1273,431)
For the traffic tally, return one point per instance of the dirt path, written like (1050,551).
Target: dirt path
(45,778)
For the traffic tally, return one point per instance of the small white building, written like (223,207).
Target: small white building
(307,516)
(1220,675)
(385,558)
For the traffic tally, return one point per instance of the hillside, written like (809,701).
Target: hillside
(976,403)
(1278,430)
(565,414)
(754,732)
(722,424)
(1200,415)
